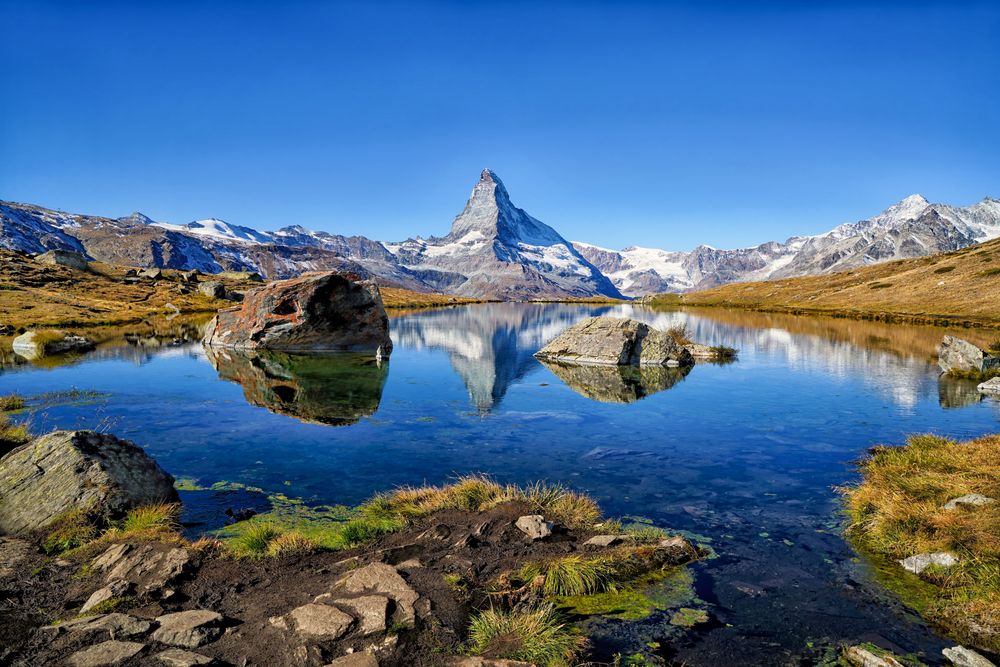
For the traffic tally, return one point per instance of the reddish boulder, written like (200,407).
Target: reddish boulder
(314,312)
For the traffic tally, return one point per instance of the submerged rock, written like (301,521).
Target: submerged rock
(67,470)
(921,562)
(313,312)
(615,342)
(955,354)
(36,344)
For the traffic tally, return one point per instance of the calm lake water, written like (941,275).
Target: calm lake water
(745,455)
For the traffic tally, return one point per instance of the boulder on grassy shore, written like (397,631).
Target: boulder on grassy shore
(955,354)
(67,470)
(615,342)
(311,313)
(39,343)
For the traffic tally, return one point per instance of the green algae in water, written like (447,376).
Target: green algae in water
(688,617)
(654,592)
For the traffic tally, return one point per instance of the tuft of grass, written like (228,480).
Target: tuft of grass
(478,493)
(255,539)
(571,575)
(896,512)
(152,518)
(112,604)
(723,352)
(944,269)
(291,544)
(12,435)
(977,376)
(879,285)
(11,402)
(681,334)
(537,636)
(70,530)
(994,346)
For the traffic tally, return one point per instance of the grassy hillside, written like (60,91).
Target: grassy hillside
(395,297)
(34,294)
(958,287)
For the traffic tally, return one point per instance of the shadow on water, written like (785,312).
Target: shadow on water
(331,389)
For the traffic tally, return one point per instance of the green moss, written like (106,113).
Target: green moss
(112,604)
(688,617)
(658,591)
(68,531)
(188,484)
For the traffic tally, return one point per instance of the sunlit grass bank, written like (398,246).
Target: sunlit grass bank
(898,510)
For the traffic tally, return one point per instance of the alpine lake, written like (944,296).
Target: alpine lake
(744,457)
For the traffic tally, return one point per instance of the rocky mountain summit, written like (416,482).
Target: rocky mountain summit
(495,250)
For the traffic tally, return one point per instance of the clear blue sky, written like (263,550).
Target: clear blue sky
(656,124)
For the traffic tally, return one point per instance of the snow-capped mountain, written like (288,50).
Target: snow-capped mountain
(496,250)
(912,228)
(503,252)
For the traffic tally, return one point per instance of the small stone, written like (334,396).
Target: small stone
(991,386)
(534,526)
(320,621)
(189,629)
(117,626)
(355,660)
(603,541)
(155,274)
(105,653)
(383,579)
(921,562)
(213,289)
(175,657)
(371,612)
(966,657)
(113,590)
(974,499)
(862,657)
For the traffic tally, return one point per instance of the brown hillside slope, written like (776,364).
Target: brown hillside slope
(956,287)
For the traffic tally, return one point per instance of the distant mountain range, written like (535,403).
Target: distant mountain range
(496,250)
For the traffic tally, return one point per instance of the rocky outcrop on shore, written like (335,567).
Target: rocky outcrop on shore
(36,344)
(315,312)
(615,342)
(957,355)
(77,470)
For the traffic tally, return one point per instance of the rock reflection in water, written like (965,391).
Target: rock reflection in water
(616,384)
(332,389)
(957,393)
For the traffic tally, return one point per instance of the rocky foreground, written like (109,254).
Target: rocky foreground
(459,575)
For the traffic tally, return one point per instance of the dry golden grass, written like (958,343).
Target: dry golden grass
(395,297)
(958,286)
(897,511)
(478,493)
(38,295)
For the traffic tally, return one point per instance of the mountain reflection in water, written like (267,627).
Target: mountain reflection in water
(332,389)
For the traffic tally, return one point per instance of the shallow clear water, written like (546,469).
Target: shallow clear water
(746,454)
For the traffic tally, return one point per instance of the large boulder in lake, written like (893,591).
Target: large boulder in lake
(314,312)
(615,342)
(66,470)
(955,354)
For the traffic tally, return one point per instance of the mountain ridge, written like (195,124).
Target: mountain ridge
(496,250)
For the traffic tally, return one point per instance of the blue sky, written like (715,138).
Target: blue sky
(660,124)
